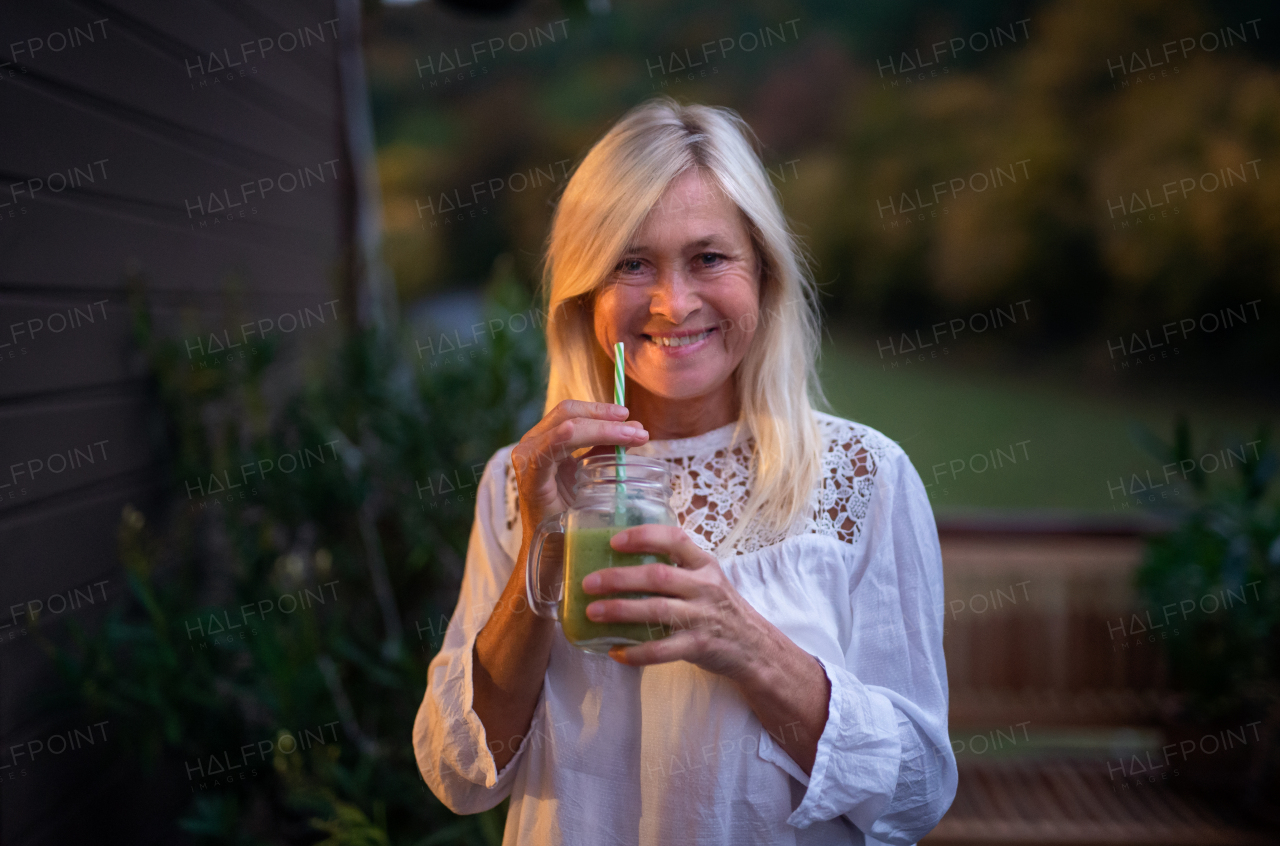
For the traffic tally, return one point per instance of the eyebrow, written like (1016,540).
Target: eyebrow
(701,243)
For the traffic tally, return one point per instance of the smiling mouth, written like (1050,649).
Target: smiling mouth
(681,340)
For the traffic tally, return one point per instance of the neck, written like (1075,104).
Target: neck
(668,419)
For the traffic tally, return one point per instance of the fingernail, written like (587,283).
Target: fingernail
(618,410)
(591,582)
(593,610)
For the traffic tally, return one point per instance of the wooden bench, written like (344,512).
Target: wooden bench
(1052,686)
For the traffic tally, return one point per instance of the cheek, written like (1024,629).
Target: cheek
(742,338)
(742,319)
(605,317)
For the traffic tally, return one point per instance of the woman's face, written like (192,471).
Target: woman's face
(685,298)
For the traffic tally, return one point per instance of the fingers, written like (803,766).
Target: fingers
(657,610)
(554,445)
(559,444)
(679,646)
(642,578)
(545,457)
(570,409)
(671,541)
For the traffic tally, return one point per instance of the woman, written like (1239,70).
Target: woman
(803,697)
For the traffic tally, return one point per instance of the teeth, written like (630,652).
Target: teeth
(685,341)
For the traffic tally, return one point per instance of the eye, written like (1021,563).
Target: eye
(709,259)
(629,265)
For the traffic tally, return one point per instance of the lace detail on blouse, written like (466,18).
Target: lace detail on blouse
(711,484)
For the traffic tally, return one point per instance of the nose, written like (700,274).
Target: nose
(674,297)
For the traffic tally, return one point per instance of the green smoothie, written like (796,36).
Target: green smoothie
(588,550)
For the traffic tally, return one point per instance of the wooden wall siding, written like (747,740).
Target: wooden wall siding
(122,153)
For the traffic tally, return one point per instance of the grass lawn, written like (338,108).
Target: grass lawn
(983,439)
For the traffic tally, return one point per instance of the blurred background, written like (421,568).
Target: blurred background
(242,237)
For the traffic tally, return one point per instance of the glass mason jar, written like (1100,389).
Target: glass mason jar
(609,494)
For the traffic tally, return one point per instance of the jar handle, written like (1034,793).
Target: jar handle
(544,602)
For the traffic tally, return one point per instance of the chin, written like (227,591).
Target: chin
(681,389)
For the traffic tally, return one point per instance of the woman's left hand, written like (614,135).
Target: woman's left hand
(713,626)
(717,630)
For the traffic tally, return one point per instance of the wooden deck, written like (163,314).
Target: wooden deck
(1078,804)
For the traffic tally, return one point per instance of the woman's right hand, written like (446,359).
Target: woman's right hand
(544,460)
(514,645)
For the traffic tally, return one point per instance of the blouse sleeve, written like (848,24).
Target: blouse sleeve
(884,759)
(449,740)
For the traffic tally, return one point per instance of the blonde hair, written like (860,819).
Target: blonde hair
(605,201)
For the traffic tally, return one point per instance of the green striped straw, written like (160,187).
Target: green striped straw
(619,398)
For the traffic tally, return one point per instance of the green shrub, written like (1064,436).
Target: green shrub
(366,534)
(1218,574)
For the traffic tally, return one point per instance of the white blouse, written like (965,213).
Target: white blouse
(672,754)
